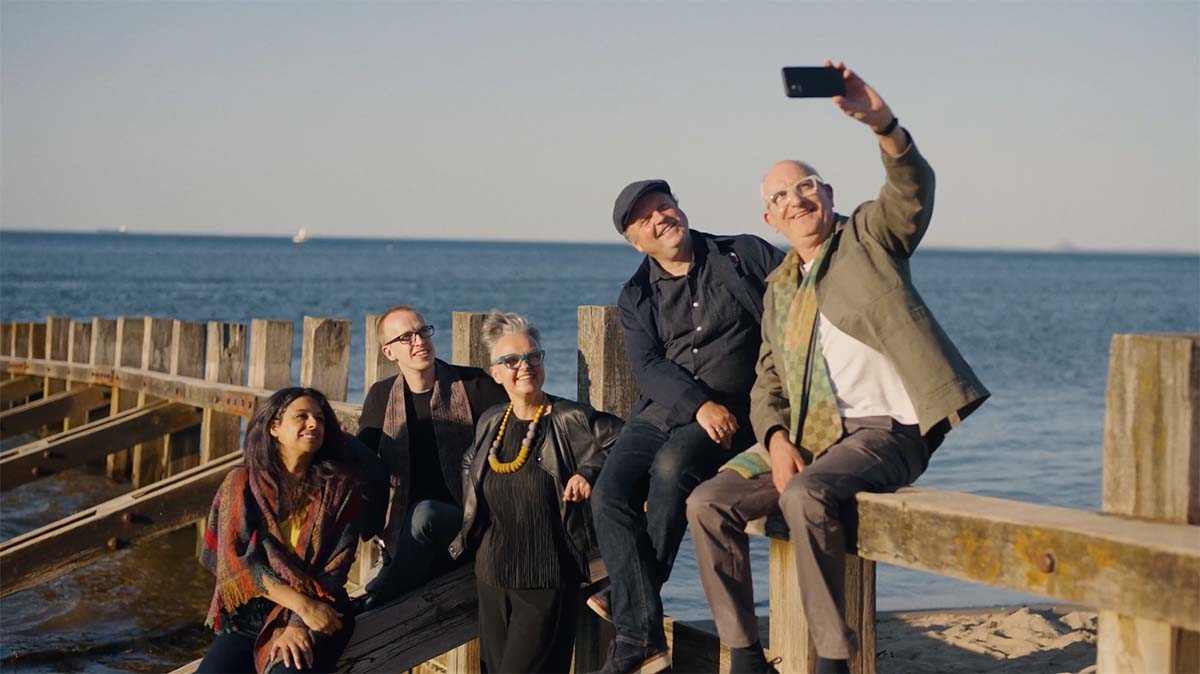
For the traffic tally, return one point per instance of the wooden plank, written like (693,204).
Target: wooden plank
(57,335)
(51,410)
(1144,569)
(6,339)
(128,354)
(605,380)
(325,356)
(103,351)
(128,520)
(20,344)
(790,637)
(181,450)
(377,366)
(79,349)
(467,341)
(436,618)
(37,340)
(225,362)
(148,458)
(103,436)
(1151,470)
(270,354)
(232,399)
(18,389)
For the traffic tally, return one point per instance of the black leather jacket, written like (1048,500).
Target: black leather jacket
(577,441)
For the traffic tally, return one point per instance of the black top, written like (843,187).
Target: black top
(525,546)
(428,482)
(706,331)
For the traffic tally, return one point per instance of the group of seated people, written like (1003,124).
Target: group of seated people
(765,382)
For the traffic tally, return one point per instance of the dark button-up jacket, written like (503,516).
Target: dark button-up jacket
(674,381)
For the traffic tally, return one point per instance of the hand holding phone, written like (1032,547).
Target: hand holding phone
(813,82)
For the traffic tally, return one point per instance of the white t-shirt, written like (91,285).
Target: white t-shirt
(865,382)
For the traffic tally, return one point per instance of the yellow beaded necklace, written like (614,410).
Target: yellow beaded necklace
(523,455)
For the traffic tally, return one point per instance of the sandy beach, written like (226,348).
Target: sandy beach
(1027,639)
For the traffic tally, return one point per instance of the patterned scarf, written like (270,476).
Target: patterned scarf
(453,427)
(815,422)
(244,545)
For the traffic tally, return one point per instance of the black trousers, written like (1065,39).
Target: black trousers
(233,652)
(527,630)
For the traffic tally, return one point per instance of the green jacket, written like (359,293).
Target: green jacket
(867,292)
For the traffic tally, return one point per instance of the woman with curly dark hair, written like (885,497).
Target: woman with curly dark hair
(280,540)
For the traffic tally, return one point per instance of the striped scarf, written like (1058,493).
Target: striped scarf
(244,545)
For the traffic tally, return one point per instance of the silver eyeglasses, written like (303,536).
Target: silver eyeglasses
(806,188)
(424,332)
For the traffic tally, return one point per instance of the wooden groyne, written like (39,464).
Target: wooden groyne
(161,403)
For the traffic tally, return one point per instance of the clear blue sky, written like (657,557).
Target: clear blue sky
(1047,123)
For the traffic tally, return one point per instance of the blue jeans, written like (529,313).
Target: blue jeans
(420,550)
(658,469)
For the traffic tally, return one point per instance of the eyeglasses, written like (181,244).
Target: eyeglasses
(406,338)
(806,188)
(513,360)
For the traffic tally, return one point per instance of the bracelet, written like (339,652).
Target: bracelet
(890,127)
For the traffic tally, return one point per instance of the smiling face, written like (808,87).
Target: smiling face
(657,226)
(526,380)
(806,221)
(414,356)
(300,431)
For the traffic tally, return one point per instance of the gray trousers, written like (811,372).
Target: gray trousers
(876,454)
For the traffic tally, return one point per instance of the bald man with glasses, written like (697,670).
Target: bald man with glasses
(856,385)
(420,422)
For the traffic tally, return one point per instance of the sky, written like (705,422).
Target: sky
(1050,125)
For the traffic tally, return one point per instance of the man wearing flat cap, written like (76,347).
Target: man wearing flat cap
(691,314)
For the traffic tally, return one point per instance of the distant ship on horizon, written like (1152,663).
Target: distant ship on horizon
(123,229)
(301,236)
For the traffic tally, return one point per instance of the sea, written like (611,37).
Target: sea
(1036,327)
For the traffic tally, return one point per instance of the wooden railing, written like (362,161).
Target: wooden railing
(176,394)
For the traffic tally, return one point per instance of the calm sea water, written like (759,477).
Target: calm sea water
(1036,327)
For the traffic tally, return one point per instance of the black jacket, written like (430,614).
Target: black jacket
(743,261)
(577,441)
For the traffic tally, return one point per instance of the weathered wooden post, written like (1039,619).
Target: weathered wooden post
(1152,471)
(181,450)
(37,340)
(270,354)
(224,363)
(148,460)
(20,343)
(79,350)
(129,354)
(103,352)
(377,366)
(57,336)
(467,349)
(606,383)
(6,340)
(325,356)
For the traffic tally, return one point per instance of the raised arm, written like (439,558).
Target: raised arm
(899,218)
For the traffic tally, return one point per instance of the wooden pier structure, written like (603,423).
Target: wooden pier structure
(161,403)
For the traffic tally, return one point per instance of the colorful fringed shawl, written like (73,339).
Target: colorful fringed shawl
(243,546)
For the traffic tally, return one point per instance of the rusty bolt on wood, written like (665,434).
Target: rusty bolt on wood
(35,471)
(1047,563)
(115,543)
(127,518)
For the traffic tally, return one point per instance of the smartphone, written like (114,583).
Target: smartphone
(813,82)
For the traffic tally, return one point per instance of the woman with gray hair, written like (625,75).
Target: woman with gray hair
(525,512)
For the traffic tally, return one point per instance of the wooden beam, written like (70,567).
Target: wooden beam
(57,336)
(467,341)
(128,355)
(605,380)
(434,619)
(225,362)
(18,389)
(1139,568)
(96,439)
(103,351)
(270,354)
(96,533)
(1152,470)
(6,339)
(148,460)
(37,340)
(20,343)
(79,349)
(181,450)
(228,398)
(51,410)
(377,366)
(325,356)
